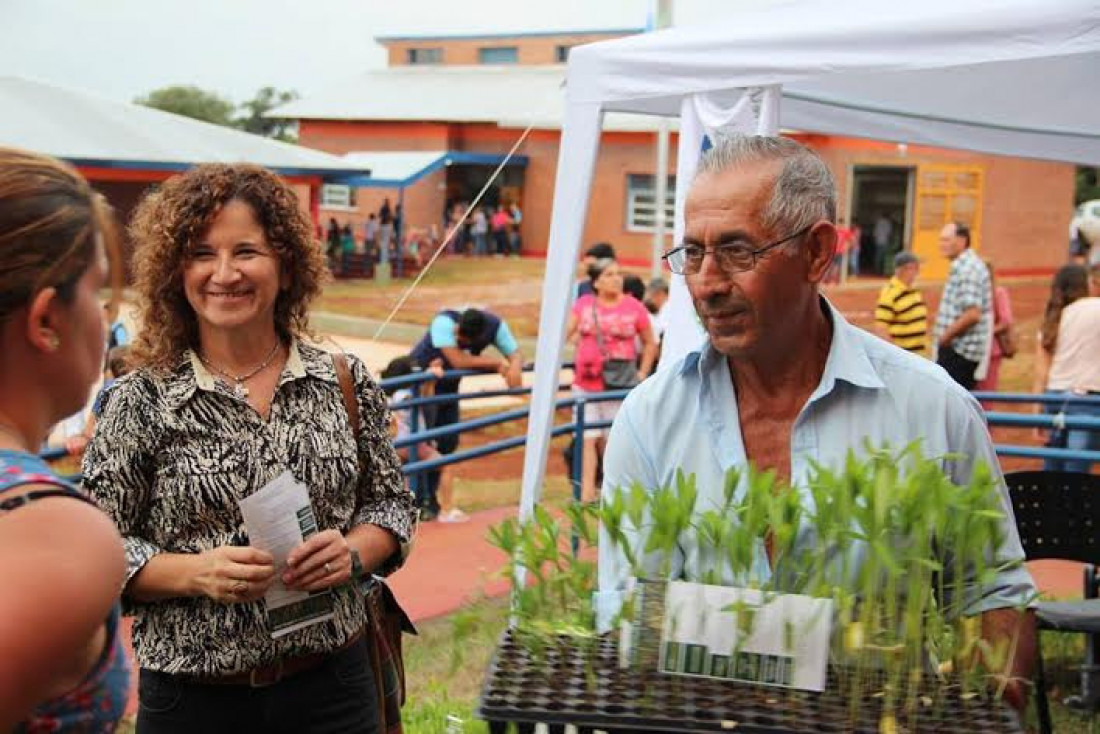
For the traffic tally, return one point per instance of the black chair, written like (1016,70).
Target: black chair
(1058,517)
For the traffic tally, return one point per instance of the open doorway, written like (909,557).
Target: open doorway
(882,207)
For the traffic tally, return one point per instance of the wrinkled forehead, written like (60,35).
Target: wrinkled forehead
(735,197)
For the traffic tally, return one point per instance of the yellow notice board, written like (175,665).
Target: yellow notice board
(945,193)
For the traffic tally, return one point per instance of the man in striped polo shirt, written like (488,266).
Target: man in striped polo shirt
(900,314)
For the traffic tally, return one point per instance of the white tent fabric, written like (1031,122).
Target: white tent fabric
(998,76)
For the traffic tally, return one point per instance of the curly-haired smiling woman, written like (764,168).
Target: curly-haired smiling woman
(225,398)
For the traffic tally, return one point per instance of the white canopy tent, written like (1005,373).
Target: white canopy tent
(999,76)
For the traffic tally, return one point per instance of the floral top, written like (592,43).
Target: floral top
(99,701)
(173,454)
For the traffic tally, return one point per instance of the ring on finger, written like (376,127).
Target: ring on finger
(240,587)
(328,568)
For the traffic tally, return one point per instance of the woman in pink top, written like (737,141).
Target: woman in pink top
(618,320)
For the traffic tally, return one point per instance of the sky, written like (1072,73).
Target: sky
(124,48)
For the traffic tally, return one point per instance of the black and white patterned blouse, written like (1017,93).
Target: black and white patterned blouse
(173,454)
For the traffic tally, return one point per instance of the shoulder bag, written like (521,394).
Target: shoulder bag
(386,620)
(618,374)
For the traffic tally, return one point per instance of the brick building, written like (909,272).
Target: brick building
(453,97)
(125,149)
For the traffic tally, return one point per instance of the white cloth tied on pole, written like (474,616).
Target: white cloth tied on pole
(755,112)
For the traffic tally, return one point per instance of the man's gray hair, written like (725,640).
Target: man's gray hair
(804,192)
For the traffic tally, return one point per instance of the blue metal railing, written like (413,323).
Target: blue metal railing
(415,468)
(1040,398)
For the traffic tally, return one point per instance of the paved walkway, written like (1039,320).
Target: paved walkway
(451,565)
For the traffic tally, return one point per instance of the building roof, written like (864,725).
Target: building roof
(397,169)
(509,96)
(498,36)
(89,130)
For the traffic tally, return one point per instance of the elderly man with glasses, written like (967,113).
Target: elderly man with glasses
(783,380)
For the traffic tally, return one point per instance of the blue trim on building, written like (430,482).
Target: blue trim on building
(327,175)
(447,159)
(506,36)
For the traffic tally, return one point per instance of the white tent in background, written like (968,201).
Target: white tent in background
(1014,77)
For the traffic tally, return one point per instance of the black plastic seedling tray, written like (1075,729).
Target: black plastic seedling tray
(567,684)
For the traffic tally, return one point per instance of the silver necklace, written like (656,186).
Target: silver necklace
(239,388)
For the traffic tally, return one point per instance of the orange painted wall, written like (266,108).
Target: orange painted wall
(1026,203)
(1026,206)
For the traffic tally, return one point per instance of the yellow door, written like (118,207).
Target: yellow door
(945,193)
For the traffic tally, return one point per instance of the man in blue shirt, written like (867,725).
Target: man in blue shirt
(458,339)
(783,380)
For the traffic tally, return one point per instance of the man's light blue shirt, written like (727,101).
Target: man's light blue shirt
(686,418)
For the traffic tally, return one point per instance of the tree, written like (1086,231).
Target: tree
(252,118)
(201,104)
(1088,184)
(192,102)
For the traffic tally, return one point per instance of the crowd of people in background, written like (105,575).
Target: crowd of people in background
(485,231)
(481,231)
(974,331)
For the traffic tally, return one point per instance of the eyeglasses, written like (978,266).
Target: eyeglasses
(732,257)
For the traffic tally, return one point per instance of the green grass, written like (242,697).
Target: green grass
(474,495)
(451,282)
(445,665)
(1062,657)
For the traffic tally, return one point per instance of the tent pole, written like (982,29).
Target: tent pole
(580,142)
(660,196)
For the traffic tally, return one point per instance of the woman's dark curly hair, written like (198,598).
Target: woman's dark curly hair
(169,221)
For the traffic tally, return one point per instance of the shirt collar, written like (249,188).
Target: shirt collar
(191,374)
(847,360)
(964,258)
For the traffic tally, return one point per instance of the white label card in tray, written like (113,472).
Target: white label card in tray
(788,644)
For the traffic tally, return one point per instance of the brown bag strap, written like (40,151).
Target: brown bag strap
(347,387)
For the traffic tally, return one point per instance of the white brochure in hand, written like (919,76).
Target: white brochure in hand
(278,518)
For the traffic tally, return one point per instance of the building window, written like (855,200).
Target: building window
(424,55)
(561,54)
(498,55)
(641,202)
(337,196)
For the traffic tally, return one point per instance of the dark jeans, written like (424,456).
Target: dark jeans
(437,416)
(500,240)
(336,697)
(959,367)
